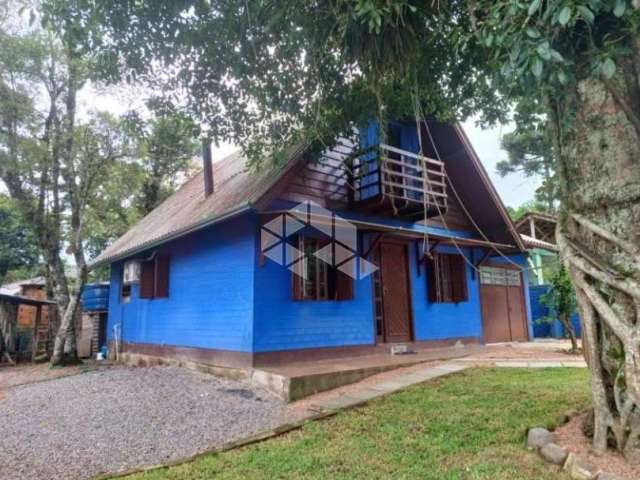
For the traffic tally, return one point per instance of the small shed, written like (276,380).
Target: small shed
(13,347)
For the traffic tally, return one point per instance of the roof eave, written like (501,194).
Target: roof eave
(243,208)
(490,187)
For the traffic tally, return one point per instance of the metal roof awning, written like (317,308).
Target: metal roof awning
(531,242)
(405,232)
(399,230)
(19,299)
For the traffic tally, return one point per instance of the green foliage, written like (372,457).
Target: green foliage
(530,206)
(18,249)
(166,147)
(561,42)
(268,75)
(561,297)
(119,169)
(530,151)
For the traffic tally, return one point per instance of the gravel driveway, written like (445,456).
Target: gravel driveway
(118,418)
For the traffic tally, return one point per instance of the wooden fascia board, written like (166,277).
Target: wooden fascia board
(489,185)
(243,208)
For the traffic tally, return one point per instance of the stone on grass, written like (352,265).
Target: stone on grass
(579,468)
(538,438)
(554,453)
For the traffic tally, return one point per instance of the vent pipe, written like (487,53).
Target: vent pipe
(207,167)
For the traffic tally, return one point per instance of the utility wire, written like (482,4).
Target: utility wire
(455,192)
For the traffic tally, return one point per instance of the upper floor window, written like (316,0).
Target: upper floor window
(447,279)
(314,279)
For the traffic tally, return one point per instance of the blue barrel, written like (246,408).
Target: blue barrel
(95,297)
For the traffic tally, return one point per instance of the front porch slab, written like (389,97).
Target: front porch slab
(293,381)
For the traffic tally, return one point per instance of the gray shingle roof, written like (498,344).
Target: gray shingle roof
(235,190)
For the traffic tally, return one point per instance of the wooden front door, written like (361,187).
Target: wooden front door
(396,294)
(504,316)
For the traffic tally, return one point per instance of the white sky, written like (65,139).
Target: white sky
(514,189)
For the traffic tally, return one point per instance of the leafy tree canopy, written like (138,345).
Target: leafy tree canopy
(266,75)
(530,206)
(18,248)
(530,151)
(166,146)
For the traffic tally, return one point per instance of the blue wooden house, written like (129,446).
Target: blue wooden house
(242,269)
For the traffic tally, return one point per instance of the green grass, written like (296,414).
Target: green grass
(468,426)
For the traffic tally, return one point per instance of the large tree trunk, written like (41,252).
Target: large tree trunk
(64,347)
(598,149)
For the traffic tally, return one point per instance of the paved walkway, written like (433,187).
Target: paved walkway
(382,361)
(296,380)
(517,355)
(370,391)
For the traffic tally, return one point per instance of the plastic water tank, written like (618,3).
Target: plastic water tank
(95,297)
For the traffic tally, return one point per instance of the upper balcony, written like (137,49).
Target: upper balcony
(388,179)
(379,179)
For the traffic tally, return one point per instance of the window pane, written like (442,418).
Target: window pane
(493,276)
(310,270)
(513,278)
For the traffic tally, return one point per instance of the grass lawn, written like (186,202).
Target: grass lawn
(468,426)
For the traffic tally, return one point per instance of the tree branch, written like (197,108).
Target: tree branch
(627,286)
(618,327)
(605,234)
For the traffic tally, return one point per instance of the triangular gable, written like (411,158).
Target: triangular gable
(473,185)
(479,201)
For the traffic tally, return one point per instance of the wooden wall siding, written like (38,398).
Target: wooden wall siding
(282,325)
(438,321)
(27,313)
(210,302)
(326,180)
(454,216)
(222,298)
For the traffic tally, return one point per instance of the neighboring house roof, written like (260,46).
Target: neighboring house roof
(538,226)
(236,191)
(15,288)
(20,300)
(531,242)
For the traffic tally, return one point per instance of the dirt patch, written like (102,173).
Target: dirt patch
(27,373)
(549,351)
(571,437)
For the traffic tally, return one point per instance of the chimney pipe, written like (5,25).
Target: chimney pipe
(207,168)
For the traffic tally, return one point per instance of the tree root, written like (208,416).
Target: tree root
(611,339)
